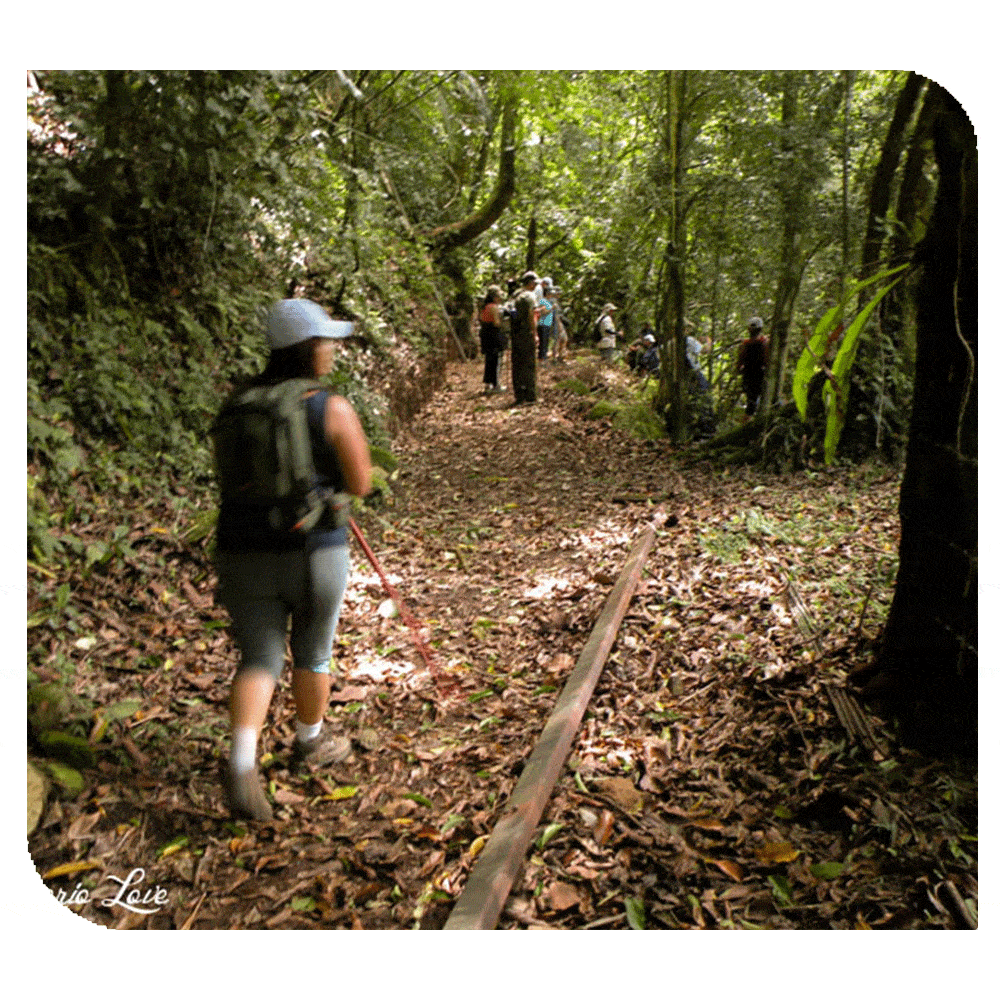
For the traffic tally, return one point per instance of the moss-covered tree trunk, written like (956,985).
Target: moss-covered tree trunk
(793,193)
(927,667)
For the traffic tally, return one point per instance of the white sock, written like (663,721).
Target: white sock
(243,751)
(304,733)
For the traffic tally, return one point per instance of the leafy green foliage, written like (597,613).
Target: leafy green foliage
(813,357)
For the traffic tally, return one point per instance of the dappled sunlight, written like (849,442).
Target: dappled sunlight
(378,668)
(548,586)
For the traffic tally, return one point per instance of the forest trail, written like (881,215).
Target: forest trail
(711,785)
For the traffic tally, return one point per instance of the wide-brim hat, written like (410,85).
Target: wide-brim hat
(292,321)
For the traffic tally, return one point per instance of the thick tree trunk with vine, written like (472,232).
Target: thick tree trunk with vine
(880,194)
(927,665)
(446,240)
(878,385)
(457,234)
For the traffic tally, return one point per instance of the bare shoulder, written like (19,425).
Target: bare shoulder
(339,408)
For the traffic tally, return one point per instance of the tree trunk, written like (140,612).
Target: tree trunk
(673,385)
(875,409)
(790,267)
(880,195)
(530,253)
(457,234)
(927,666)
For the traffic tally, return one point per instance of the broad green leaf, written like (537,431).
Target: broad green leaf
(96,552)
(780,889)
(69,779)
(635,913)
(303,904)
(808,363)
(173,847)
(343,792)
(550,831)
(837,397)
(122,709)
(420,799)
(827,869)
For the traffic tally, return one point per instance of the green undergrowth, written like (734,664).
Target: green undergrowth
(121,395)
(632,412)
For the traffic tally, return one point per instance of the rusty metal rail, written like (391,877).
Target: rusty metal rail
(489,883)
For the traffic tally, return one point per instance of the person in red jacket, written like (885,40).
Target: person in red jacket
(751,363)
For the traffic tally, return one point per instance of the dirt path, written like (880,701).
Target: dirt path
(712,784)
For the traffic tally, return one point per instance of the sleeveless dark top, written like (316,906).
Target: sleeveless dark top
(490,335)
(242,528)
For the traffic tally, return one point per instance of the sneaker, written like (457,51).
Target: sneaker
(326,748)
(244,795)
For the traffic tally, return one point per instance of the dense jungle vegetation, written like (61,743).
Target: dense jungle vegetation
(166,210)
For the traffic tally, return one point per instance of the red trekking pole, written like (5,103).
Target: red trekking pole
(404,613)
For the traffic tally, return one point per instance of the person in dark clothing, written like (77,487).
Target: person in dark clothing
(751,363)
(491,337)
(524,341)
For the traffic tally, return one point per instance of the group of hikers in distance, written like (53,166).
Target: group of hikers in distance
(531,322)
(290,454)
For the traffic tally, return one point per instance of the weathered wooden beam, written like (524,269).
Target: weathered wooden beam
(490,881)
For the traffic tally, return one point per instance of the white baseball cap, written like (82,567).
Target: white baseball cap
(291,321)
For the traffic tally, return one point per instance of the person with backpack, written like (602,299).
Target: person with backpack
(524,342)
(492,338)
(751,363)
(546,319)
(605,329)
(288,455)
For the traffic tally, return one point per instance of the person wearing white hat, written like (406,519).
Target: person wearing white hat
(606,331)
(270,570)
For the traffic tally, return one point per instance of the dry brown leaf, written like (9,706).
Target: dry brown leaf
(775,853)
(561,896)
(731,868)
(605,826)
(348,694)
(623,792)
(707,823)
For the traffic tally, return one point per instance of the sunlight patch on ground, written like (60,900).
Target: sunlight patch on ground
(547,586)
(361,582)
(378,668)
(606,751)
(755,588)
(597,540)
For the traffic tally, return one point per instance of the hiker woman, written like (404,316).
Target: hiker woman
(491,337)
(546,319)
(268,571)
(751,364)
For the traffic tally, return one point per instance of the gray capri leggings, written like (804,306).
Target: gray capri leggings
(261,589)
